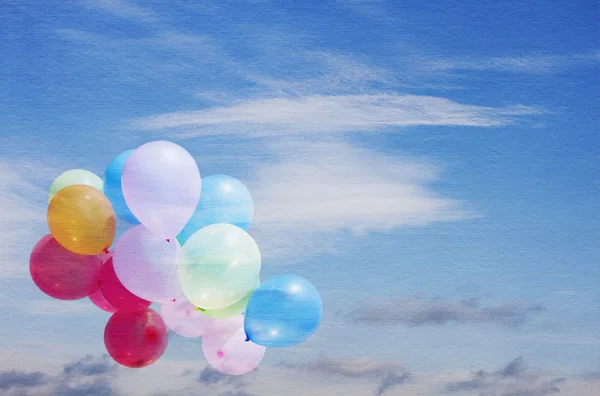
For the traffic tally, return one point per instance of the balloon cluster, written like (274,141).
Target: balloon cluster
(187,249)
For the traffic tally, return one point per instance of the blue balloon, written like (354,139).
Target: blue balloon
(223,199)
(113,190)
(283,311)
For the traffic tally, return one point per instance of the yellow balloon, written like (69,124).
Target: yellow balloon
(82,219)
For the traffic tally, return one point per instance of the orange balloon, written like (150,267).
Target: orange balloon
(82,219)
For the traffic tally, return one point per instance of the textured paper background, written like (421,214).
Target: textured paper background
(432,168)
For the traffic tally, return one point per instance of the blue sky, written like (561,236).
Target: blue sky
(432,169)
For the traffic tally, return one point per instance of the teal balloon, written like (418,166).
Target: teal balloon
(283,311)
(223,199)
(113,190)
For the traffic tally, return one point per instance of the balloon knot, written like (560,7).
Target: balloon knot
(174,299)
(168,240)
(196,308)
(247,338)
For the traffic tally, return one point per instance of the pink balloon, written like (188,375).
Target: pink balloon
(115,293)
(226,349)
(105,255)
(98,299)
(182,317)
(161,186)
(146,265)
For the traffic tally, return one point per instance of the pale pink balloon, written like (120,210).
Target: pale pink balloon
(161,186)
(146,265)
(226,349)
(105,255)
(98,299)
(183,318)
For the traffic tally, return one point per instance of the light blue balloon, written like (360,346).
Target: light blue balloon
(283,311)
(223,199)
(113,190)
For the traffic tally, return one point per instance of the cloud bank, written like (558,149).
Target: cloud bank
(326,375)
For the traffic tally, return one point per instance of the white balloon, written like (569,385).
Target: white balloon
(146,265)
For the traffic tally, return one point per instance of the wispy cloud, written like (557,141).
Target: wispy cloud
(511,380)
(317,114)
(387,374)
(312,187)
(529,64)
(415,311)
(361,367)
(23,206)
(327,72)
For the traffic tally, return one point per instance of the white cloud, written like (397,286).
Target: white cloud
(311,190)
(529,64)
(317,114)
(22,204)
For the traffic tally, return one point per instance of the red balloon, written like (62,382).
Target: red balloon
(136,338)
(61,273)
(116,294)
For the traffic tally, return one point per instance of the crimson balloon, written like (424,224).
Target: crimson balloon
(136,338)
(61,273)
(115,293)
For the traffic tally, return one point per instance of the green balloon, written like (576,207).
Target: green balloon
(232,310)
(218,266)
(74,176)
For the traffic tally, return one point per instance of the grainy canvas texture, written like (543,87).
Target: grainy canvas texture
(431,167)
